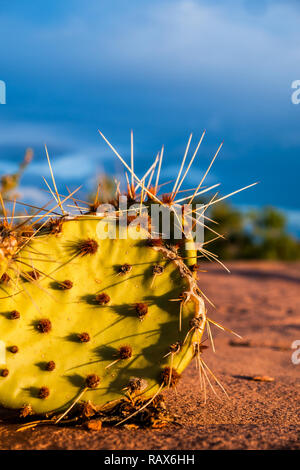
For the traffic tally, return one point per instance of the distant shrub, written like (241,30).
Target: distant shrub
(259,234)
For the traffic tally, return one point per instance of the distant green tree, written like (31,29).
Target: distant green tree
(270,236)
(259,234)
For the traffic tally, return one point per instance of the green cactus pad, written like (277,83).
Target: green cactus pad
(79,312)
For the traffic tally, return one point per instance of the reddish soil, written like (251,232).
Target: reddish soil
(261,301)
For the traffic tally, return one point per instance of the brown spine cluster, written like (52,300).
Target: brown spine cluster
(33,275)
(102,299)
(50,366)
(14,315)
(166,379)
(88,247)
(141,310)
(155,242)
(84,337)
(92,381)
(5,278)
(65,285)
(55,226)
(157,269)
(125,268)
(43,393)
(125,352)
(44,325)
(175,347)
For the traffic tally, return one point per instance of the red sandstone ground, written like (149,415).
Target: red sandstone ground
(261,301)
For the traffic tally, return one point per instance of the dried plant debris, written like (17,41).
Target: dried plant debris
(134,413)
(262,378)
(155,415)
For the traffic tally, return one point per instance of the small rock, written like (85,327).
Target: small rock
(94,425)
(244,343)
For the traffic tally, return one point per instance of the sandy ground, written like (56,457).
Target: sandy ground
(259,300)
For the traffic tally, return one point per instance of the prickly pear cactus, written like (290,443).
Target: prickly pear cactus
(99,319)
(96,319)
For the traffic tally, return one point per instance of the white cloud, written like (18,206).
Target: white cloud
(33,195)
(32,133)
(69,166)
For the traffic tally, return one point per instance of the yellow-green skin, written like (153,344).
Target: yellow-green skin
(75,311)
(3,266)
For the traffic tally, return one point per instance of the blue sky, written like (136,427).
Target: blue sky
(164,68)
